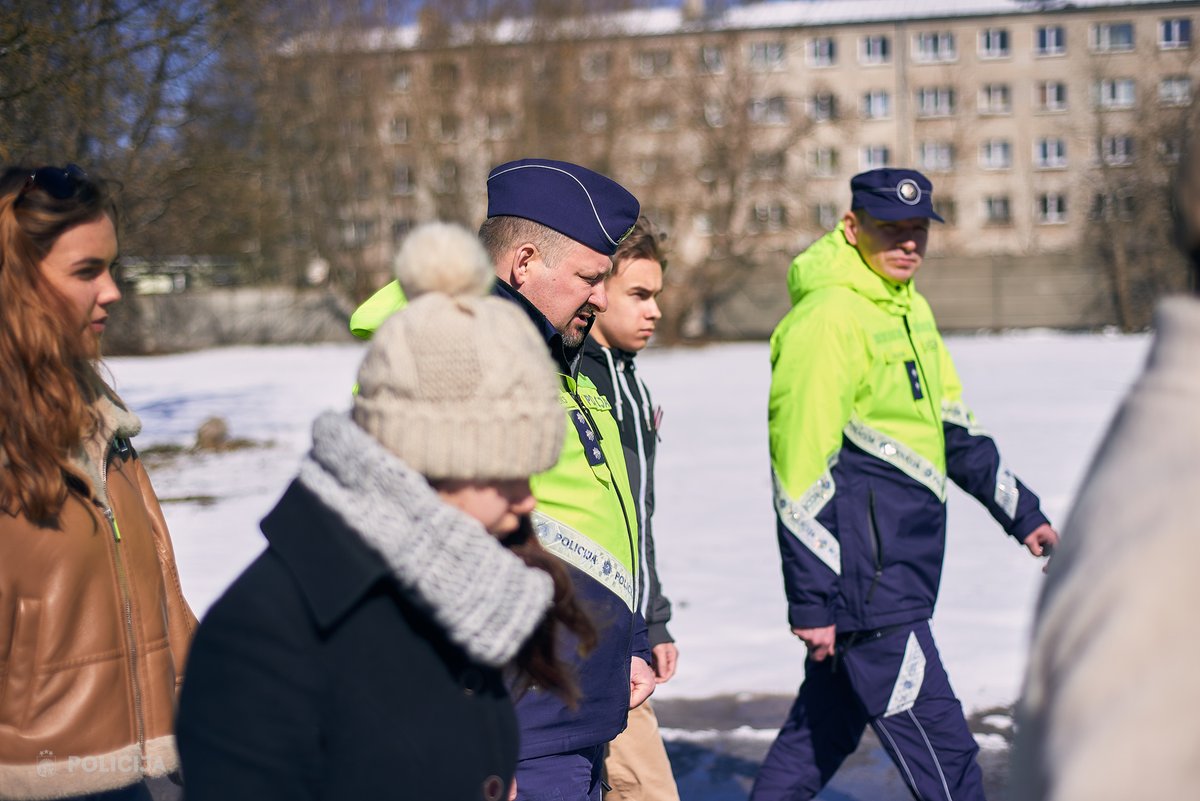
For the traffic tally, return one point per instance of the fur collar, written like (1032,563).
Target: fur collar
(485,597)
(113,420)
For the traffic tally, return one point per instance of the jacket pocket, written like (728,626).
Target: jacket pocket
(876,545)
(16,691)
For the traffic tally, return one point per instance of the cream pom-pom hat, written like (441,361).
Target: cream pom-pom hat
(459,384)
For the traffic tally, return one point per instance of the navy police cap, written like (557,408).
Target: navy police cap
(893,194)
(586,206)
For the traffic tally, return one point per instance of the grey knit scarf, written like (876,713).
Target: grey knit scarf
(484,596)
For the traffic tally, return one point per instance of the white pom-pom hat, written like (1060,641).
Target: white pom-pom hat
(459,384)
(443,257)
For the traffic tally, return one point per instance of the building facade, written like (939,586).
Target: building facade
(1049,130)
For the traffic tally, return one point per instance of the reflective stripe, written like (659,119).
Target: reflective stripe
(582,552)
(958,414)
(1007,491)
(910,678)
(800,518)
(900,456)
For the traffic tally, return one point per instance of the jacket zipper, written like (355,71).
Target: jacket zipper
(928,393)
(876,545)
(624,512)
(127,604)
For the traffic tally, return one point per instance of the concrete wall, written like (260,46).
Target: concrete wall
(991,292)
(241,316)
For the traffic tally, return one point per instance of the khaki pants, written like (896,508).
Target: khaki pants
(637,764)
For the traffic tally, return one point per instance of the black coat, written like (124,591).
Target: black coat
(314,677)
(636,417)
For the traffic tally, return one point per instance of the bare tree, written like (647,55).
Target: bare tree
(732,187)
(1136,139)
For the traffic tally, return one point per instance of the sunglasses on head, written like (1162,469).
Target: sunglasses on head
(59,183)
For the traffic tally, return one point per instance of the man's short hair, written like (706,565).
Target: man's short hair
(645,241)
(501,234)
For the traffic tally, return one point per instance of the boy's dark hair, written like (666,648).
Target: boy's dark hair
(645,241)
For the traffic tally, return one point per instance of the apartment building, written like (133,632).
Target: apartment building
(1048,128)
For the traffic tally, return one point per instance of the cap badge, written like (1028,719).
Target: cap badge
(908,192)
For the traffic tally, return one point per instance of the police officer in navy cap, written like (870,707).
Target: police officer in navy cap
(551,230)
(867,422)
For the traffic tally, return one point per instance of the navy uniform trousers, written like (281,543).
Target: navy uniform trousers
(893,680)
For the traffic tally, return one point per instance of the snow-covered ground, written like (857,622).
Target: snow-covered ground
(1047,397)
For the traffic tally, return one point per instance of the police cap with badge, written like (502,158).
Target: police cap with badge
(581,204)
(893,194)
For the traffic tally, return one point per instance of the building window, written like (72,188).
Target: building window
(1119,205)
(658,117)
(993,43)
(767,165)
(1050,40)
(1051,96)
(997,210)
(995,154)
(1175,34)
(398,130)
(595,120)
(823,162)
(769,216)
(876,105)
(1051,208)
(1175,90)
(1050,153)
(825,216)
(664,219)
(652,63)
(873,157)
(500,125)
(402,79)
(822,52)
(654,167)
(935,156)
(403,182)
(937,101)
(875,50)
(362,187)
(1116,151)
(447,178)
(596,66)
(946,208)
(357,233)
(822,107)
(712,60)
(445,127)
(349,80)
(767,56)
(1115,93)
(769,110)
(995,98)
(1112,37)
(1170,149)
(400,229)
(929,48)
(502,71)
(445,75)
(714,113)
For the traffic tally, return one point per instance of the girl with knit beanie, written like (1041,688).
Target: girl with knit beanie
(368,652)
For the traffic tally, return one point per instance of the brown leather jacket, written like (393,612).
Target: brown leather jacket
(94,630)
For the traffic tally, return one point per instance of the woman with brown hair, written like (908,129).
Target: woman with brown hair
(93,624)
(369,652)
